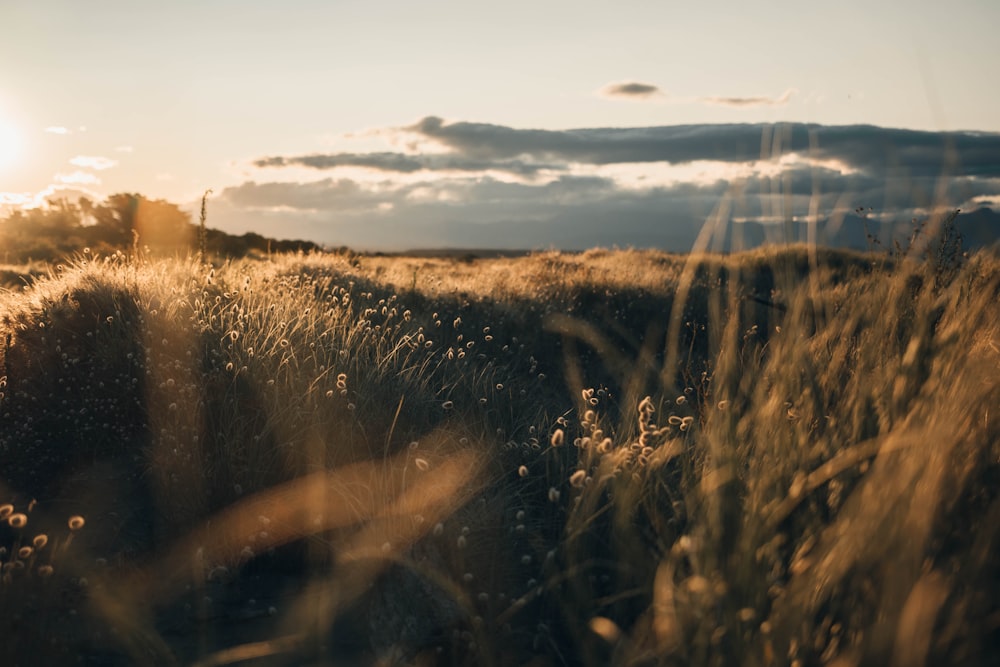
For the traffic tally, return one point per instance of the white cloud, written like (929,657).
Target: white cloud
(14,199)
(10,201)
(57,129)
(123,149)
(78,178)
(93,162)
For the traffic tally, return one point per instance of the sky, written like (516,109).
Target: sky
(392,125)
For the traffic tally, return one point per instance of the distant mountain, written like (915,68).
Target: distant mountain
(648,229)
(979,229)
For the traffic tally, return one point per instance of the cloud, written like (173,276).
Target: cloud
(674,144)
(630,90)
(405,163)
(10,201)
(471,212)
(571,212)
(93,162)
(486,185)
(123,149)
(864,147)
(754,101)
(57,129)
(78,178)
(13,199)
(380,161)
(324,195)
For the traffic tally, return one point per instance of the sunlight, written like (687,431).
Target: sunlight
(10,144)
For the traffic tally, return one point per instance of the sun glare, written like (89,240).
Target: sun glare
(10,144)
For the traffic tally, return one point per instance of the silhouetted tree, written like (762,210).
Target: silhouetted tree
(43,233)
(61,228)
(160,225)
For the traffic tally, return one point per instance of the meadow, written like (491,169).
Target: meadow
(786,456)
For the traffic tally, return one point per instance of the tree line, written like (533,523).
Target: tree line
(122,222)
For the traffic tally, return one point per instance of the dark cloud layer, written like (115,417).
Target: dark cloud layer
(864,147)
(462,198)
(404,163)
(381,161)
(483,147)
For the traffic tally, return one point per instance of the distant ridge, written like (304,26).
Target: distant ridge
(979,229)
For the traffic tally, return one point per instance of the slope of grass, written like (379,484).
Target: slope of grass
(623,457)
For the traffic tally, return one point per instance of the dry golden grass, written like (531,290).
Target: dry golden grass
(611,457)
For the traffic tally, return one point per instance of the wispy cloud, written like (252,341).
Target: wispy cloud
(57,129)
(630,90)
(78,178)
(753,101)
(123,149)
(93,162)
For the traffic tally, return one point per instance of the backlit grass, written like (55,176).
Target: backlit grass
(776,457)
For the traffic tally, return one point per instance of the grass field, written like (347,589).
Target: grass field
(781,457)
